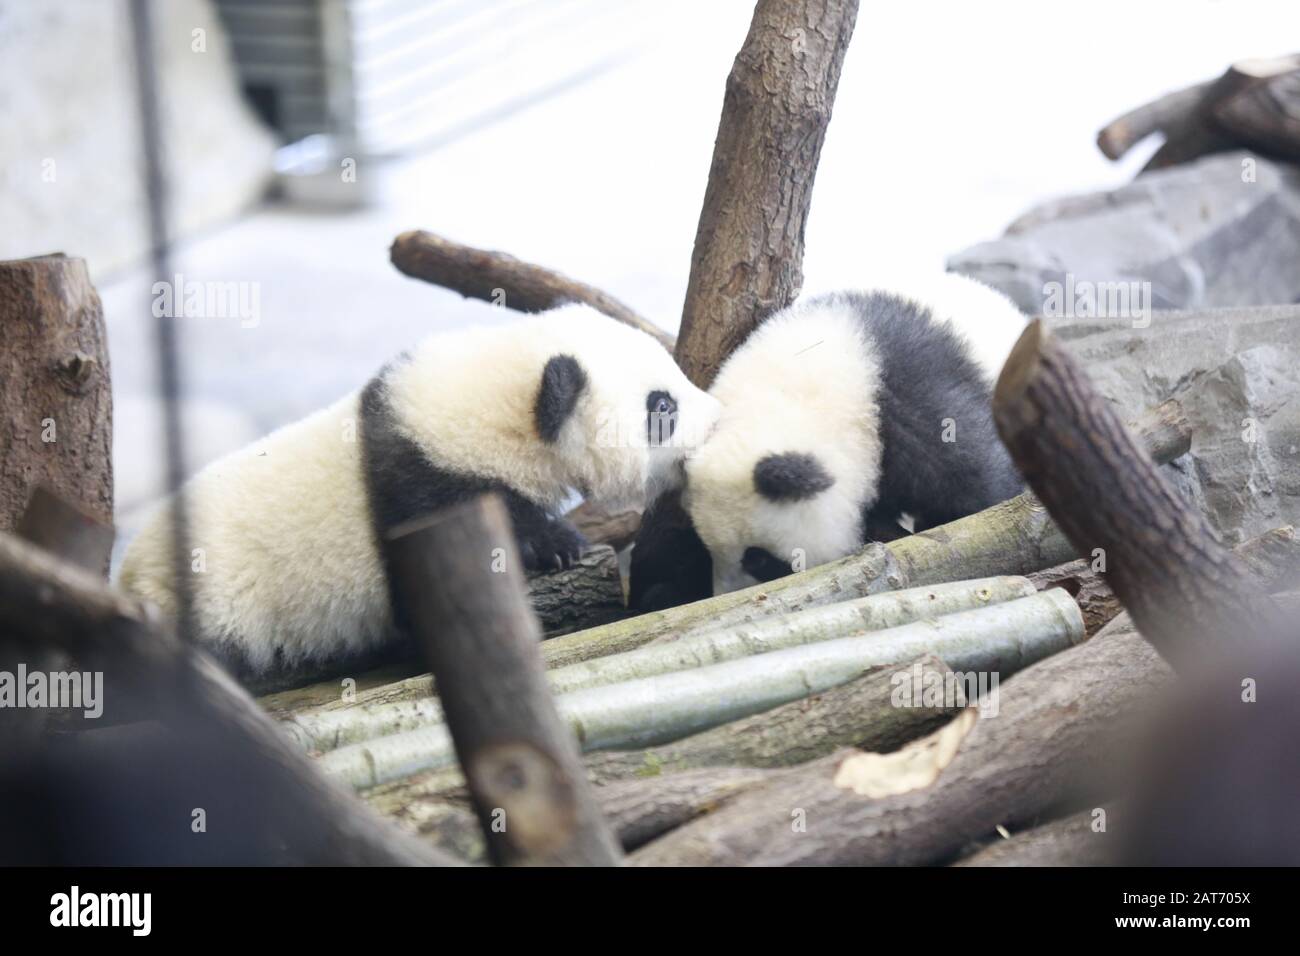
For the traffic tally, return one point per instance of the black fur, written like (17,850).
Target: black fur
(762,565)
(790,476)
(562,382)
(660,426)
(670,564)
(402,483)
(926,377)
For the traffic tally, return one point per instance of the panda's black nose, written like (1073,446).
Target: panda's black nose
(763,565)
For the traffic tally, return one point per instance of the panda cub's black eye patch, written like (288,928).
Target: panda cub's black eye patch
(660,417)
(563,380)
(792,476)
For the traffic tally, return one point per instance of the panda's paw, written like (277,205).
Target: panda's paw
(553,546)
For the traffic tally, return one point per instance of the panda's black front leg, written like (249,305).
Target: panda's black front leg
(546,543)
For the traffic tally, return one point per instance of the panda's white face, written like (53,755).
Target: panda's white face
(637,418)
(781,483)
(554,402)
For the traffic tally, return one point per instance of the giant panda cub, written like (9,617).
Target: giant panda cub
(286,532)
(843,416)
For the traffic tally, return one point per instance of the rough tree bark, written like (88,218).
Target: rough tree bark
(501,279)
(56,411)
(748,255)
(1274,557)
(481,639)
(1190,596)
(1060,726)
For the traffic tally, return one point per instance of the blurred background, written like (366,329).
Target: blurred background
(303,135)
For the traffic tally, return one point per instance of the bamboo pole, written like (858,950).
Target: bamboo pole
(329,729)
(654,710)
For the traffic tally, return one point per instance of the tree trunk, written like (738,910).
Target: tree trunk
(480,637)
(748,255)
(56,407)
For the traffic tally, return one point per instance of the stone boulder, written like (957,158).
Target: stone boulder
(1222,231)
(1237,374)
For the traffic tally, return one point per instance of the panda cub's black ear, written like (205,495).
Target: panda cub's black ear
(563,380)
(792,476)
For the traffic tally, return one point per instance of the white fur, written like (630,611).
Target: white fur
(283,526)
(801,382)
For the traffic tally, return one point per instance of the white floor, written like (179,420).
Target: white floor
(952,118)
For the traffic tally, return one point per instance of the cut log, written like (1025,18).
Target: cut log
(748,255)
(330,729)
(1189,595)
(1061,728)
(57,429)
(220,753)
(480,637)
(1070,841)
(1273,558)
(653,710)
(60,527)
(502,279)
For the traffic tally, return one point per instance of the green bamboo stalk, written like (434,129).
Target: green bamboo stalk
(655,710)
(330,729)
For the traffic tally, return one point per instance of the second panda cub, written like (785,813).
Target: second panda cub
(841,415)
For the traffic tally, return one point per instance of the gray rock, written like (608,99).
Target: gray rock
(1223,231)
(1237,374)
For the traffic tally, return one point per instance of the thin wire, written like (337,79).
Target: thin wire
(167,354)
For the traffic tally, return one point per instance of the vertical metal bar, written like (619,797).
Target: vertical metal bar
(165,329)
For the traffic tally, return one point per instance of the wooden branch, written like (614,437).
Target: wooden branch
(224,755)
(502,279)
(1272,557)
(748,256)
(480,637)
(1070,841)
(1189,595)
(1255,104)
(57,427)
(62,528)
(1061,727)
(1014,537)
(1171,111)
